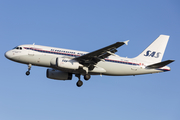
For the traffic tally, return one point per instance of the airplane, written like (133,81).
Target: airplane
(63,63)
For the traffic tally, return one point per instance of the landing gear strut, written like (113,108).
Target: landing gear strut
(29,68)
(79,82)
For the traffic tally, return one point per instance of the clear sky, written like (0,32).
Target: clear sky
(87,26)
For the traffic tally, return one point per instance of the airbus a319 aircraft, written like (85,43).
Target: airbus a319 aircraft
(63,63)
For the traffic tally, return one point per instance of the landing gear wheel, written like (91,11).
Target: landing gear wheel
(87,77)
(29,68)
(27,73)
(79,83)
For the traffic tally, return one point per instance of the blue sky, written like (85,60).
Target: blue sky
(87,26)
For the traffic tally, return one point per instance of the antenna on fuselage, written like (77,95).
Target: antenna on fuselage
(33,43)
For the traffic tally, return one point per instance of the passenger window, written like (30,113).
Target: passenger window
(20,48)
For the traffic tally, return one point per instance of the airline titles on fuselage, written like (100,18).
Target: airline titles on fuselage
(68,52)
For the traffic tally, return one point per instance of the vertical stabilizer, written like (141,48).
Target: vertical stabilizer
(155,51)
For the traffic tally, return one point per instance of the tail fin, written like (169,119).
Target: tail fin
(155,51)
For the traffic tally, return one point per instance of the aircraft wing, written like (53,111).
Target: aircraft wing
(93,58)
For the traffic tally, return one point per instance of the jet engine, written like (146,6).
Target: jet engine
(58,75)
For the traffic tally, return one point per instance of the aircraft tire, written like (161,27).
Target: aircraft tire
(87,77)
(27,73)
(79,83)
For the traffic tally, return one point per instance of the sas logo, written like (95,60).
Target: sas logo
(152,54)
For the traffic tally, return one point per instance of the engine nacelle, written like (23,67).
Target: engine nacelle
(58,75)
(67,63)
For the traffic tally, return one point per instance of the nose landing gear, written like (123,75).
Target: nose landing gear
(29,68)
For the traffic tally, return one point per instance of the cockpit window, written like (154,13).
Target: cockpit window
(19,48)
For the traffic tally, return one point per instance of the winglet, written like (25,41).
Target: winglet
(126,42)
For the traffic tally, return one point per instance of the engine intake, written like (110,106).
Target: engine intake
(58,75)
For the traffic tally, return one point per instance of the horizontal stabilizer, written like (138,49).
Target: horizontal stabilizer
(160,64)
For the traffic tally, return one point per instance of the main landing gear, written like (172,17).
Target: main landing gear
(79,82)
(29,68)
(87,77)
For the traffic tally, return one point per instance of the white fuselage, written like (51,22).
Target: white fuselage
(113,65)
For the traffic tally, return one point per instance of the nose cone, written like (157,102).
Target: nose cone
(8,54)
